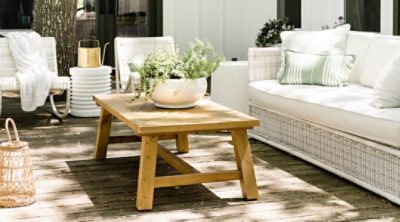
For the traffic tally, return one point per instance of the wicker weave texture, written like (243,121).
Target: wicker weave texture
(17,183)
(264,63)
(359,160)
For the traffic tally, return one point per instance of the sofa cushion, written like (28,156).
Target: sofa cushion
(386,92)
(347,108)
(326,42)
(310,69)
(381,50)
(357,44)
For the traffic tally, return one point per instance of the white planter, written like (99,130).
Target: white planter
(179,93)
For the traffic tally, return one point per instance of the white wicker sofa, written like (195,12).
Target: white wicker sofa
(9,82)
(332,127)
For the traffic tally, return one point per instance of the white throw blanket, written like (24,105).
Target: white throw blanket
(35,78)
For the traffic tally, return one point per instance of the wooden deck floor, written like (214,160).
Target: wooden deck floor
(73,187)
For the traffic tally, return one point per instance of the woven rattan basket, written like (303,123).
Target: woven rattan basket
(17,185)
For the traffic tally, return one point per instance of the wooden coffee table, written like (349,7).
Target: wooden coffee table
(152,124)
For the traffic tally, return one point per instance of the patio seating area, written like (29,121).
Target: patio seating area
(71,186)
(196,110)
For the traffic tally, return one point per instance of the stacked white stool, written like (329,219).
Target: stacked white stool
(87,82)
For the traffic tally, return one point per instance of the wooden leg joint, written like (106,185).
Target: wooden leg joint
(244,163)
(103,133)
(147,171)
(174,161)
(182,143)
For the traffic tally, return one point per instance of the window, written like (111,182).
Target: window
(363,15)
(85,25)
(396,17)
(290,9)
(16,14)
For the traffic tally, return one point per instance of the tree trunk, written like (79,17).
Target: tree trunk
(56,18)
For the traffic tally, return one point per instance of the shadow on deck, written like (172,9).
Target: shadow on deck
(71,186)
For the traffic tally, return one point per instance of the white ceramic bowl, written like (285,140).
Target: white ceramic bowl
(179,93)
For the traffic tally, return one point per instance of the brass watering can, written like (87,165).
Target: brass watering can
(90,57)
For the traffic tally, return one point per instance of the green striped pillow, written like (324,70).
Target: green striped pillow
(309,69)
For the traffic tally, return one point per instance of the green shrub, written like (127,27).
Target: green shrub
(269,35)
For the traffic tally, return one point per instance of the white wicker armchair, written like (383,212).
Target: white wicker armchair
(9,82)
(135,50)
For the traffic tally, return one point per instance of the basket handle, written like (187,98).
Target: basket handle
(8,121)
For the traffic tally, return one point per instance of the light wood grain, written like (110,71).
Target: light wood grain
(103,132)
(150,122)
(244,162)
(196,178)
(174,161)
(146,119)
(147,170)
(182,143)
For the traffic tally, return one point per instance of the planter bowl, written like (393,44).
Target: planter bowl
(179,93)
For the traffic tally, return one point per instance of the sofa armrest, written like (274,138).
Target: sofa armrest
(229,85)
(264,63)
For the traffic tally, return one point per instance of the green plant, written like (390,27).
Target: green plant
(158,67)
(269,35)
(199,61)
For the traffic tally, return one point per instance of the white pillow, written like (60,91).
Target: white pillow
(326,42)
(381,50)
(386,92)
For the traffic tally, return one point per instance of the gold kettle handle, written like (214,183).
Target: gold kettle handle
(104,53)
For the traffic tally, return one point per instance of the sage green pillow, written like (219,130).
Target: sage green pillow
(309,69)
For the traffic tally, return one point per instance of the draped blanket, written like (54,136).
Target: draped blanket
(34,77)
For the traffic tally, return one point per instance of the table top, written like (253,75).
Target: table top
(147,119)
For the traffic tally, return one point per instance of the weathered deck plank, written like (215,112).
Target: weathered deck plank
(71,186)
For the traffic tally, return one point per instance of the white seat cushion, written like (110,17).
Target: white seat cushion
(12,84)
(344,108)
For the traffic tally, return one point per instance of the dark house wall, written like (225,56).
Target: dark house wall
(16,14)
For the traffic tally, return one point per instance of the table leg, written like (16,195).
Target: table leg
(182,143)
(103,132)
(245,163)
(147,171)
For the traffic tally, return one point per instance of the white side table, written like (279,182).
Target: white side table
(229,85)
(87,82)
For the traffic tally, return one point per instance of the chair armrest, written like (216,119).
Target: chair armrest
(264,63)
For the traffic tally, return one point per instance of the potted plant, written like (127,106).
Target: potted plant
(269,35)
(173,81)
